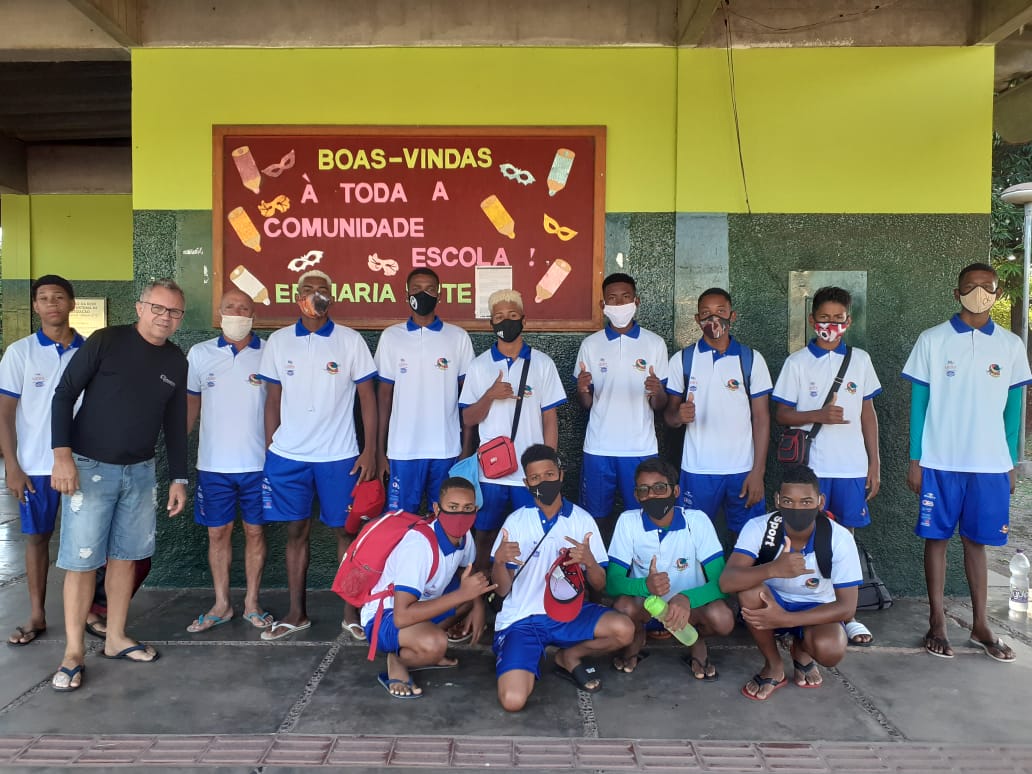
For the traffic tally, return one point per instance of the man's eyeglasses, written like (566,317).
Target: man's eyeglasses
(160,310)
(660,489)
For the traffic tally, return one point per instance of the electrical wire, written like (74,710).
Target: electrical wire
(734,106)
(838,19)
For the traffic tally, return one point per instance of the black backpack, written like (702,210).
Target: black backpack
(774,538)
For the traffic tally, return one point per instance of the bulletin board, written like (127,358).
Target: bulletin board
(484,207)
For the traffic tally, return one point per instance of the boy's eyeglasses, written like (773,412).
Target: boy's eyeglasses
(660,488)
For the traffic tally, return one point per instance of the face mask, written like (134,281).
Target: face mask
(714,326)
(799,519)
(422,303)
(546,491)
(656,508)
(236,328)
(621,315)
(830,331)
(314,304)
(456,523)
(508,330)
(978,301)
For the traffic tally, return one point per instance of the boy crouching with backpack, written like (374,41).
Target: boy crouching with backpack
(429,593)
(796,572)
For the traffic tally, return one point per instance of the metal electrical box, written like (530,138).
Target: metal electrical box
(801,287)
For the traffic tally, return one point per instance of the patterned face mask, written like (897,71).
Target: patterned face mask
(830,331)
(314,304)
(714,326)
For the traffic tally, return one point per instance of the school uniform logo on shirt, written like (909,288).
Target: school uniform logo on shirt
(994,370)
(681,564)
(209,380)
(332,368)
(951,368)
(290,368)
(812,583)
(851,388)
(39,380)
(403,366)
(639,364)
(253,380)
(693,384)
(733,385)
(441,364)
(528,391)
(813,389)
(603,366)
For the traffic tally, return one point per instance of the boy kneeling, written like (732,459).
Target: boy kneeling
(525,553)
(796,572)
(673,553)
(416,618)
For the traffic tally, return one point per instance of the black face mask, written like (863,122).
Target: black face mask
(422,303)
(546,491)
(508,330)
(799,519)
(657,508)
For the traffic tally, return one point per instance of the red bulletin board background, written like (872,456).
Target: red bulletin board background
(422,206)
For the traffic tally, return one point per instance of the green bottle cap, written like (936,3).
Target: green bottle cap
(655,606)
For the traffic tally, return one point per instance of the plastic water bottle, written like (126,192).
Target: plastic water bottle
(1019,567)
(657,608)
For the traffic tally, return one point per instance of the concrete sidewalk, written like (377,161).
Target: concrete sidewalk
(228,701)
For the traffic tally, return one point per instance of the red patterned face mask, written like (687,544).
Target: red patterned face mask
(830,331)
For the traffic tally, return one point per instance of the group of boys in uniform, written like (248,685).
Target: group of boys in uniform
(277,428)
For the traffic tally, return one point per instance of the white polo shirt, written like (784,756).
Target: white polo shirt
(29,371)
(232,405)
(543,391)
(838,451)
(318,372)
(621,422)
(526,526)
(719,441)
(426,365)
(680,550)
(969,373)
(811,587)
(409,564)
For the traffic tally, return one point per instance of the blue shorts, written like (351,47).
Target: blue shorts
(979,502)
(39,511)
(499,501)
(708,492)
(522,645)
(111,515)
(791,607)
(387,641)
(411,479)
(215,503)
(846,498)
(601,477)
(289,486)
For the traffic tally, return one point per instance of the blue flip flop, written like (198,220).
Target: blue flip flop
(211,620)
(124,654)
(78,670)
(387,682)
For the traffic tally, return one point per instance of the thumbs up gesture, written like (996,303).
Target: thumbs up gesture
(657,583)
(686,411)
(653,385)
(508,550)
(789,564)
(584,379)
(500,390)
(832,414)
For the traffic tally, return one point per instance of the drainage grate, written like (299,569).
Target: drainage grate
(363,752)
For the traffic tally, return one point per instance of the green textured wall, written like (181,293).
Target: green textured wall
(911,263)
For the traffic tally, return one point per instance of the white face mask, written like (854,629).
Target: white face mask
(236,328)
(620,315)
(978,301)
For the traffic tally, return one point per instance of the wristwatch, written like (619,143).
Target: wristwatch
(183,481)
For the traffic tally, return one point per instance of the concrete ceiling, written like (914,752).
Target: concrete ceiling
(65,76)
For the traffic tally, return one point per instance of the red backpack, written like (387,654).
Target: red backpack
(362,566)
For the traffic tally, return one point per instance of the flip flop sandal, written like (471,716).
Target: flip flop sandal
(78,670)
(704,666)
(641,656)
(288,629)
(857,629)
(92,629)
(942,642)
(459,639)
(997,645)
(807,669)
(580,676)
(205,622)
(260,619)
(355,630)
(124,654)
(762,681)
(32,634)
(431,667)
(387,682)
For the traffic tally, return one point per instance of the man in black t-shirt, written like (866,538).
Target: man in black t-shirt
(134,381)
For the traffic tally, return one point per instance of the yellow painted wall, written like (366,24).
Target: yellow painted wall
(856,130)
(178,94)
(87,237)
(884,130)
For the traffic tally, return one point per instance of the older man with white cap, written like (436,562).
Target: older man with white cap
(313,370)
